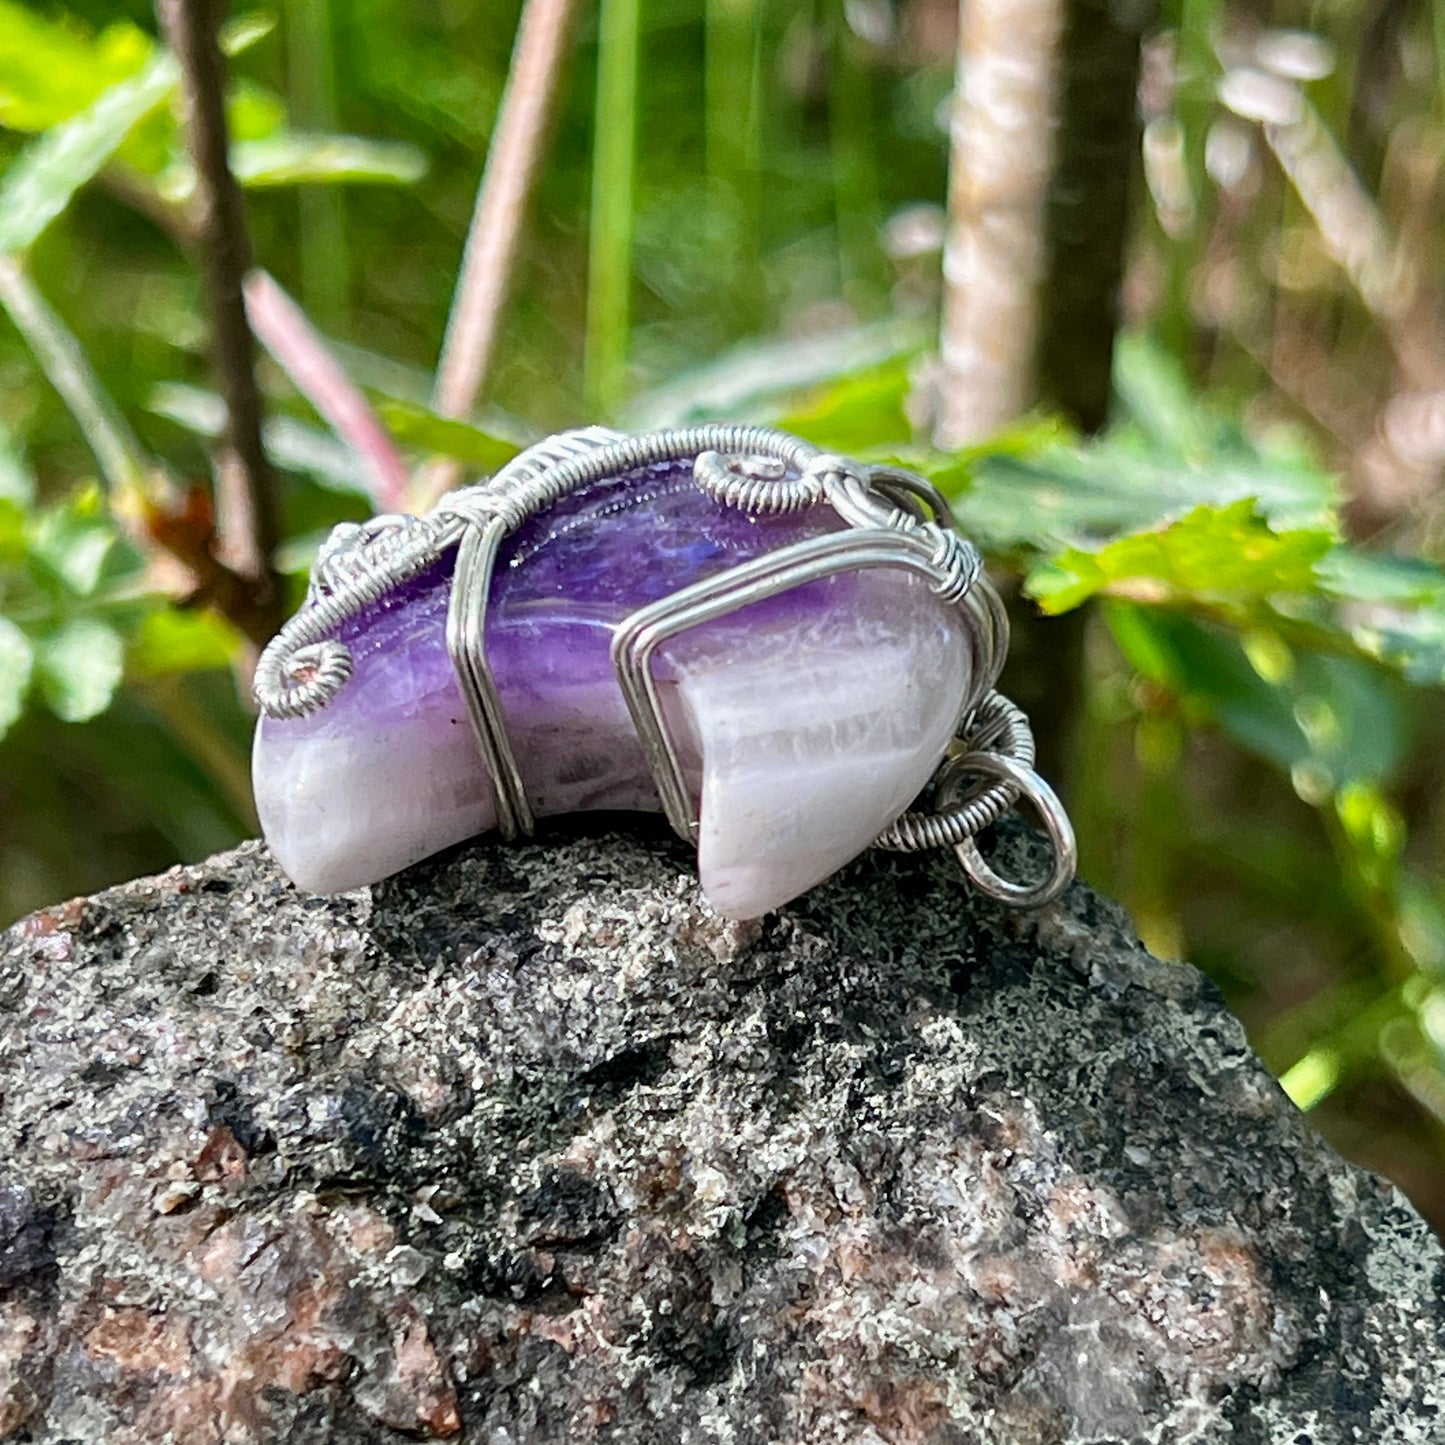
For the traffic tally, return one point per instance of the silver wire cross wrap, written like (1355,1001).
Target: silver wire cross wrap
(894,520)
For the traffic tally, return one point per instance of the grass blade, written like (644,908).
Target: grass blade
(122,462)
(614,165)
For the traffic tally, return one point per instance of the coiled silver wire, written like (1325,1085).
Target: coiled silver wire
(755,484)
(996,726)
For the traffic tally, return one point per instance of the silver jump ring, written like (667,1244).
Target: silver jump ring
(1051,813)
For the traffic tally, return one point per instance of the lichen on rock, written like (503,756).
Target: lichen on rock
(527,1145)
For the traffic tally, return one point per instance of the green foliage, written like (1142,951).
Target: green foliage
(1327,722)
(50,70)
(417,426)
(172,640)
(292,159)
(300,447)
(1226,555)
(17,663)
(39,185)
(130,80)
(79,668)
(1167,455)
(64,586)
(1397,606)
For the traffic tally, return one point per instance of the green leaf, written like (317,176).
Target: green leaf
(122,462)
(176,639)
(1324,721)
(253,113)
(1032,489)
(1153,391)
(857,414)
(416,426)
(1212,554)
(74,540)
(1083,497)
(17,481)
(51,70)
(1168,457)
(956,472)
(1393,609)
(759,380)
(240,34)
(1354,575)
(13,544)
(41,182)
(99,94)
(1411,641)
(17,661)
(300,160)
(80,668)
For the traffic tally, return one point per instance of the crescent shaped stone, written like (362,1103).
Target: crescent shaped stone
(807,723)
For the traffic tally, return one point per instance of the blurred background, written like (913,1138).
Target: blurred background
(1217,505)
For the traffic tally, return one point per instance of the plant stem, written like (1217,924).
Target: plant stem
(300,351)
(248,494)
(193,727)
(1194,103)
(614,164)
(855,179)
(513,159)
(311,69)
(146,505)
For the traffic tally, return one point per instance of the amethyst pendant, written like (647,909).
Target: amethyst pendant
(777,648)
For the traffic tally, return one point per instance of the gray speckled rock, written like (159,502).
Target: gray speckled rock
(526,1146)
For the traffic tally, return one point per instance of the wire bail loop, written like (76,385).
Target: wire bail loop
(1059,830)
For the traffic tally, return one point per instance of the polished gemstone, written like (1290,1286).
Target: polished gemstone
(808,722)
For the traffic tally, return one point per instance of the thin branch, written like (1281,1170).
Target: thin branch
(194,727)
(302,353)
(156,518)
(513,159)
(248,490)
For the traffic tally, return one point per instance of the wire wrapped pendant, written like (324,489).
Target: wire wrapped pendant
(779,648)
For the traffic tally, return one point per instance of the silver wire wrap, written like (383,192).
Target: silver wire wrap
(996,725)
(895,519)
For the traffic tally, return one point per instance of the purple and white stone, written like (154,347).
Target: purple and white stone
(807,723)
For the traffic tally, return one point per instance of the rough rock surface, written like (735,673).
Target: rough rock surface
(526,1145)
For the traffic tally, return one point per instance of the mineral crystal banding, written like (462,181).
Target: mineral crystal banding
(807,722)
